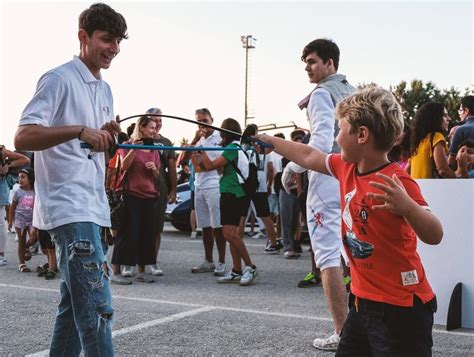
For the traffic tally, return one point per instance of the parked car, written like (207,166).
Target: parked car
(178,213)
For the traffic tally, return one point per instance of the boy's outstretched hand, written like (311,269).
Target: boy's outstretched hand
(395,198)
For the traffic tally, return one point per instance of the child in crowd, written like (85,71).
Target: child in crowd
(49,269)
(383,212)
(465,159)
(21,215)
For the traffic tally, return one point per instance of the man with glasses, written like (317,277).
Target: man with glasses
(207,196)
(464,131)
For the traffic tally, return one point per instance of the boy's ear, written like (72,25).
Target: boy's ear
(363,135)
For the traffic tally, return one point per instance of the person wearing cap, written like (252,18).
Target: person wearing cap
(166,183)
(73,104)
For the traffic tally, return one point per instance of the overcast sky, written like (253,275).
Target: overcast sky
(181,56)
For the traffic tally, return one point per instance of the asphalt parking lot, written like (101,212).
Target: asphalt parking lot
(190,314)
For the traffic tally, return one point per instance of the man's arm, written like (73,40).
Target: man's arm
(15,159)
(39,137)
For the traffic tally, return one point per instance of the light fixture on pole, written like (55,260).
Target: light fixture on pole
(248,42)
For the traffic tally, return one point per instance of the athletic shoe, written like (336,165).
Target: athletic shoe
(156,270)
(259,235)
(310,280)
(290,254)
(327,344)
(347,283)
(119,280)
(230,277)
(272,249)
(248,276)
(204,267)
(280,243)
(220,269)
(144,278)
(3,261)
(193,235)
(127,271)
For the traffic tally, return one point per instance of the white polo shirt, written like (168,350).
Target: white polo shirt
(209,179)
(69,186)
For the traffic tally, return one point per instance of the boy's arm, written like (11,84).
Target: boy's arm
(396,200)
(301,154)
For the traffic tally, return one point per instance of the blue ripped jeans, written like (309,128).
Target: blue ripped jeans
(85,313)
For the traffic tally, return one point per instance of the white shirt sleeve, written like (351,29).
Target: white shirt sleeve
(321,120)
(46,102)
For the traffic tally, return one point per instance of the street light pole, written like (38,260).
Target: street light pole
(248,42)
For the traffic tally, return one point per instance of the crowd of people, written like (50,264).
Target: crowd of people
(328,178)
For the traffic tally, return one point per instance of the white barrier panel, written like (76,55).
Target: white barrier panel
(452,261)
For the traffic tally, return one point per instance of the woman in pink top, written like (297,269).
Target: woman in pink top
(135,241)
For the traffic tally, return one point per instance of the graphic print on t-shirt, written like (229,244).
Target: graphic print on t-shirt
(358,248)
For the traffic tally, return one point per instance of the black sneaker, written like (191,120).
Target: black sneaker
(280,243)
(272,249)
(310,280)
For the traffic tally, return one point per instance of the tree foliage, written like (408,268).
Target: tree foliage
(412,96)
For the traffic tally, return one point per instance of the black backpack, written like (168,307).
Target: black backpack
(250,185)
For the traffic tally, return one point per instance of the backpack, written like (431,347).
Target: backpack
(250,183)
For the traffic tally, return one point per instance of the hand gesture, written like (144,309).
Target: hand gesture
(394,197)
(100,140)
(150,165)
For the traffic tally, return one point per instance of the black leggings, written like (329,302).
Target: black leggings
(135,243)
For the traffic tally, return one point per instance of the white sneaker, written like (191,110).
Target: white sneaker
(229,278)
(204,267)
(248,276)
(127,271)
(156,270)
(119,280)
(220,269)
(193,235)
(3,261)
(327,344)
(259,235)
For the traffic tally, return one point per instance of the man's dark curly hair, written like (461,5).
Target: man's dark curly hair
(103,18)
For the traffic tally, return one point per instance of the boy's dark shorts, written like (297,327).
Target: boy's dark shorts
(45,240)
(380,329)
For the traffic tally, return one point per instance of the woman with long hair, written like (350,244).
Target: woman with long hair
(136,237)
(232,203)
(428,147)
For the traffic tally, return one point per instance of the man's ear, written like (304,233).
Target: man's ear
(363,135)
(82,36)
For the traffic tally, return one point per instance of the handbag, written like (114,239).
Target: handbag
(117,204)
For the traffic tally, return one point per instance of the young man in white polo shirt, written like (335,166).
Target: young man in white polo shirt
(207,196)
(72,104)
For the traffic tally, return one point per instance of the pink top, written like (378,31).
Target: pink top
(141,182)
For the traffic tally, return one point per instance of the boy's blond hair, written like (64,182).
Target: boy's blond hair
(378,110)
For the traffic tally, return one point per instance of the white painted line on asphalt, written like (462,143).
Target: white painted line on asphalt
(225,308)
(161,321)
(143,326)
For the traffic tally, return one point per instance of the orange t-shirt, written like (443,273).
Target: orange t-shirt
(385,265)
